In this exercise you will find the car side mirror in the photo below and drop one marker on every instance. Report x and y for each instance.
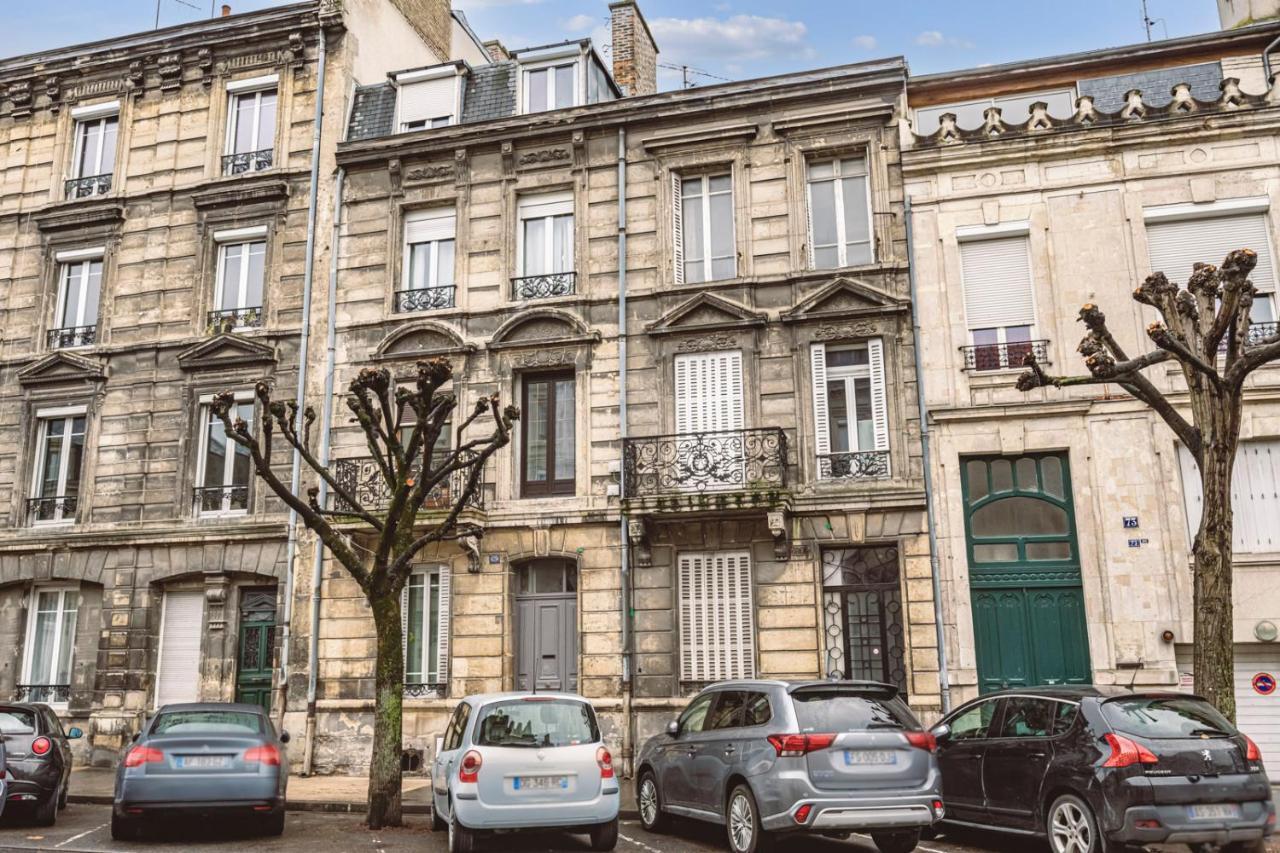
(673, 728)
(74, 734)
(284, 737)
(134, 739)
(941, 732)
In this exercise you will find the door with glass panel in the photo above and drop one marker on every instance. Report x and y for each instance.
(546, 267)
(238, 294)
(224, 466)
(56, 490)
(547, 429)
(424, 608)
(256, 646)
(251, 132)
(547, 625)
(94, 158)
(50, 647)
(709, 449)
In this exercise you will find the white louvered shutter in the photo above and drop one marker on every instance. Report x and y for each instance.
(178, 677)
(1255, 496)
(425, 226)
(879, 401)
(428, 99)
(442, 627)
(821, 419)
(404, 628)
(677, 226)
(709, 392)
(997, 283)
(717, 625)
(1174, 247)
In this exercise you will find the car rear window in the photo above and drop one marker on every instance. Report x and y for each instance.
(1165, 717)
(835, 710)
(17, 721)
(207, 723)
(535, 722)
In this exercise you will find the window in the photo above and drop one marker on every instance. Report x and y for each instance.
(545, 247)
(703, 210)
(550, 87)
(251, 126)
(241, 271)
(694, 717)
(1019, 511)
(430, 97)
(55, 492)
(727, 710)
(757, 710)
(457, 728)
(548, 433)
(51, 635)
(93, 155)
(1014, 109)
(850, 410)
(424, 609)
(839, 708)
(428, 261)
(717, 624)
(1255, 502)
(224, 468)
(542, 724)
(999, 307)
(79, 290)
(974, 722)
(839, 213)
(1027, 716)
(862, 612)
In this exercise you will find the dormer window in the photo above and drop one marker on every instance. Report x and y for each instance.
(429, 97)
(561, 76)
(550, 87)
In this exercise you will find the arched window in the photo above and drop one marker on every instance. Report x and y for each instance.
(1017, 510)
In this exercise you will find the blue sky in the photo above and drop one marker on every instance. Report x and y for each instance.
(725, 38)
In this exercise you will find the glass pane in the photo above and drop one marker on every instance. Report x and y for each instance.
(719, 183)
(853, 166)
(535, 432)
(562, 243)
(215, 455)
(54, 430)
(43, 638)
(535, 247)
(857, 225)
(66, 644)
(431, 665)
(694, 238)
(253, 287)
(974, 722)
(1017, 334)
(838, 416)
(1051, 477)
(822, 215)
(444, 263)
(232, 258)
(1001, 475)
(242, 463)
(92, 293)
(1020, 516)
(1027, 717)
(976, 472)
(722, 248)
(72, 282)
(565, 442)
(243, 140)
(564, 86)
(75, 457)
(419, 265)
(413, 631)
(1263, 310)
(726, 711)
(691, 187)
(108, 164)
(1025, 469)
(536, 86)
(862, 406)
(847, 357)
(986, 337)
(825, 169)
(548, 576)
(995, 553)
(1048, 550)
(90, 133)
(266, 122)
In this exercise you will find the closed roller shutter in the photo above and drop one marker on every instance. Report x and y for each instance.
(181, 629)
(1257, 715)
(1175, 246)
(428, 99)
(997, 283)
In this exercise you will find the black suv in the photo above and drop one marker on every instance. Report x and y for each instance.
(1095, 769)
(37, 759)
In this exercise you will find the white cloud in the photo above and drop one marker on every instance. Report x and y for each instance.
(865, 42)
(738, 38)
(936, 38)
(578, 23)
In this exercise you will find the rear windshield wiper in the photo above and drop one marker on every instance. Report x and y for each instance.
(880, 724)
(1210, 732)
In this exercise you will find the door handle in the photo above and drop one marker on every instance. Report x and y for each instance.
(970, 757)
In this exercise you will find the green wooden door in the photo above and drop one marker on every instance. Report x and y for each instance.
(255, 649)
(1025, 589)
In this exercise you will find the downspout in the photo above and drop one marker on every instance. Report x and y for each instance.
(295, 480)
(624, 549)
(943, 681)
(326, 420)
(1266, 59)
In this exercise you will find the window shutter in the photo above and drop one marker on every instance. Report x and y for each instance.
(404, 627)
(1255, 496)
(427, 99)
(1175, 246)
(808, 224)
(717, 626)
(879, 404)
(997, 282)
(821, 421)
(677, 226)
(425, 226)
(178, 677)
(709, 392)
(442, 629)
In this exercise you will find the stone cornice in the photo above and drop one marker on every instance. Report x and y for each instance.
(176, 532)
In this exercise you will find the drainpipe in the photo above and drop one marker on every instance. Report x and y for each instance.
(624, 544)
(295, 481)
(943, 681)
(326, 419)
(1266, 59)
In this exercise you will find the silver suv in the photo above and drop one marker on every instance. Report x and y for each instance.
(823, 757)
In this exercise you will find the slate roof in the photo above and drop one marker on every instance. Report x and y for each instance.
(373, 111)
(1156, 85)
(490, 93)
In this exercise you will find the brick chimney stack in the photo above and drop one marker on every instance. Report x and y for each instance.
(433, 19)
(1240, 13)
(635, 53)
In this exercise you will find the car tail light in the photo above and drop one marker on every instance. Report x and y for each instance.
(1251, 753)
(41, 745)
(789, 746)
(922, 740)
(802, 813)
(1125, 753)
(605, 760)
(266, 754)
(939, 810)
(141, 755)
(469, 769)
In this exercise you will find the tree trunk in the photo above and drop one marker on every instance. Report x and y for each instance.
(384, 768)
(1214, 653)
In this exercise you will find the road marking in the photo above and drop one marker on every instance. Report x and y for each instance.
(81, 835)
(639, 844)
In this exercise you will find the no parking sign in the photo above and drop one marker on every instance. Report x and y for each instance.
(1264, 683)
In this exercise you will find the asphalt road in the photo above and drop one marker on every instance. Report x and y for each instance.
(87, 828)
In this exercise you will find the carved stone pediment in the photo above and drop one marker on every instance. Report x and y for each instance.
(705, 312)
(225, 350)
(540, 328)
(241, 191)
(79, 215)
(845, 297)
(421, 340)
(62, 368)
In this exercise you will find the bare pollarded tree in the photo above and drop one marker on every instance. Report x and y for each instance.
(1206, 331)
(377, 544)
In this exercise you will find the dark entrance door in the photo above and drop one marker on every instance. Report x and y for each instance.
(257, 642)
(862, 614)
(547, 626)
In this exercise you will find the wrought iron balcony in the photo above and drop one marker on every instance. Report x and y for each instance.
(861, 465)
(425, 689)
(52, 508)
(424, 299)
(247, 161)
(215, 499)
(546, 286)
(226, 320)
(88, 186)
(1258, 332)
(72, 336)
(47, 693)
(984, 357)
(362, 478)
(705, 462)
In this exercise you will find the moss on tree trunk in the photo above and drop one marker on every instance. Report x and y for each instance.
(384, 768)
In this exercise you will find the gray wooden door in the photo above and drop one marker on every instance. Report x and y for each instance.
(547, 633)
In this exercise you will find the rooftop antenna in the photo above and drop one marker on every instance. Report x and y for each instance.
(1147, 21)
(183, 2)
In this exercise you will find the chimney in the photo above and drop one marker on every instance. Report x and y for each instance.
(433, 21)
(496, 50)
(635, 54)
(226, 10)
(1241, 13)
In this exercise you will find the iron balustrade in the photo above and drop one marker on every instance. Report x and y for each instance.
(705, 462)
(424, 298)
(1258, 332)
(235, 318)
(361, 477)
(213, 499)
(72, 336)
(425, 689)
(52, 508)
(856, 465)
(983, 357)
(546, 286)
(48, 693)
(247, 161)
(88, 186)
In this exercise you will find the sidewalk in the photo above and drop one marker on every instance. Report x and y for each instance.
(94, 785)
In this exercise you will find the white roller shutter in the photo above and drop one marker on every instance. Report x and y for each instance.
(1174, 246)
(717, 624)
(1255, 496)
(181, 630)
(427, 225)
(428, 99)
(1257, 715)
(997, 282)
(709, 392)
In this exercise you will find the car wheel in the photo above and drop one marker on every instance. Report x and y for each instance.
(124, 829)
(437, 822)
(273, 824)
(903, 841)
(742, 822)
(604, 836)
(47, 811)
(62, 798)
(649, 803)
(1072, 828)
(461, 839)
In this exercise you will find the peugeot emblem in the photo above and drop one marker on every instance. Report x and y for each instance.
(1206, 755)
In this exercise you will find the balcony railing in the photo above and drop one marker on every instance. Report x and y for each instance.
(247, 161)
(1258, 332)
(362, 479)
(214, 499)
(235, 318)
(983, 357)
(705, 462)
(72, 336)
(859, 465)
(88, 186)
(424, 299)
(546, 286)
(52, 508)
(47, 693)
(425, 689)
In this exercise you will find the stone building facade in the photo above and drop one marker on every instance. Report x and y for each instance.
(1065, 516)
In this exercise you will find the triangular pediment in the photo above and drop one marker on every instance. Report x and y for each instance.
(225, 350)
(705, 312)
(62, 368)
(845, 297)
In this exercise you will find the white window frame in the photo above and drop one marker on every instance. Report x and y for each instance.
(874, 373)
(842, 251)
(66, 260)
(423, 75)
(432, 279)
(239, 237)
(547, 207)
(439, 632)
(679, 221)
(28, 647)
(228, 464)
(722, 656)
(82, 124)
(257, 86)
(44, 416)
(550, 63)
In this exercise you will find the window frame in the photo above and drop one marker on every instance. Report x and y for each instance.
(979, 234)
(246, 239)
(43, 418)
(206, 420)
(551, 485)
(526, 212)
(28, 648)
(254, 88)
(84, 258)
(681, 221)
(550, 64)
(432, 279)
(80, 134)
(838, 177)
(431, 661)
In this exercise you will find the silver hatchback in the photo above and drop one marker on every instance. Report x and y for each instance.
(823, 757)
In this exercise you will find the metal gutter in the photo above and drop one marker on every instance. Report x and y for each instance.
(623, 542)
(1266, 60)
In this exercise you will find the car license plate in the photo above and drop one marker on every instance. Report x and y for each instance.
(202, 762)
(539, 783)
(855, 757)
(1214, 812)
